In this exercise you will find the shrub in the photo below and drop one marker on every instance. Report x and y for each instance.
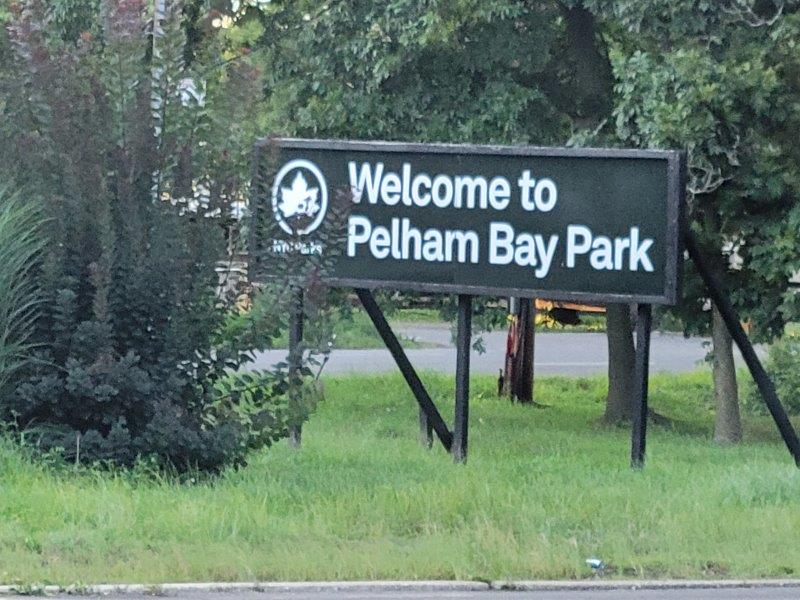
(259, 403)
(783, 365)
(118, 133)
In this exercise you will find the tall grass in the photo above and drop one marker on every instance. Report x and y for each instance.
(543, 490)
(20, 244)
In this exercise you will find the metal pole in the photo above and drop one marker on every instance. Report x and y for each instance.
(410, 375)
(760, 376)
(295, 357)
(644, 320)
(463, 347)
(532, 359)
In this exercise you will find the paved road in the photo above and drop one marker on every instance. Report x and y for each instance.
(556, 353)
(773, 593)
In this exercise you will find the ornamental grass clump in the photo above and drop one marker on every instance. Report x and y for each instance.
(20, 245)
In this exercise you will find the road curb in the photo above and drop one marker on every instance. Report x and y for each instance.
(177, 589)
(289, 586)
(644, 584)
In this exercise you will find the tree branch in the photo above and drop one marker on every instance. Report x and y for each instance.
(743, 11)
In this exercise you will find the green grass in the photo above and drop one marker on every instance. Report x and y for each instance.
(358, 332)
(417, 315)
(543, 490)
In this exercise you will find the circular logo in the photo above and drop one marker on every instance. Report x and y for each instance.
(299, 197)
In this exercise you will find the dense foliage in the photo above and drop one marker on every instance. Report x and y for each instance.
(721, 80)
(782, 365)
(109, 122)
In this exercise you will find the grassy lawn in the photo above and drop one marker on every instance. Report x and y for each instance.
(417, 315)
(359, 332)
(544, 489)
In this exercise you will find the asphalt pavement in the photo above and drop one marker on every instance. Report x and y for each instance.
(555, 353)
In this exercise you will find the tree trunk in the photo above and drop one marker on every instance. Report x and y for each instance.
(523, 369)
(621, 364)
(727, 423)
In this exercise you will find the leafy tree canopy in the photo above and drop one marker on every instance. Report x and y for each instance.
(721, 80)
(461, 71)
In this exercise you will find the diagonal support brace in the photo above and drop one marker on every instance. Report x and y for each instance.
(406, 368)
(760, 376)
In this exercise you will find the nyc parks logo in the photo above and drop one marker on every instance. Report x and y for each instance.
(299, 197)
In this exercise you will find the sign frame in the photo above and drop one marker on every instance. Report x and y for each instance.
(675, 197)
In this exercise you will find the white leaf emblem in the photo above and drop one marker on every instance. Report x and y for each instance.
(299, 208)
(299, 199)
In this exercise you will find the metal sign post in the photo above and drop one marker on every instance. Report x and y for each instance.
(463, 347)
(644, 321)
(295, 357)
(434, 418)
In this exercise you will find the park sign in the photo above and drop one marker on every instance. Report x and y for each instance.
(598, 225)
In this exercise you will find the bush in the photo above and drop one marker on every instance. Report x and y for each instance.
(119, 135)
(783, 365)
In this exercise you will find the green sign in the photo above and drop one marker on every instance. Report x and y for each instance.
(557, 223)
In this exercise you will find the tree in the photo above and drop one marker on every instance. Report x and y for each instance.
(719, 80)
(668, 74)
(590, 105)
(621, 365)
(411, 71)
